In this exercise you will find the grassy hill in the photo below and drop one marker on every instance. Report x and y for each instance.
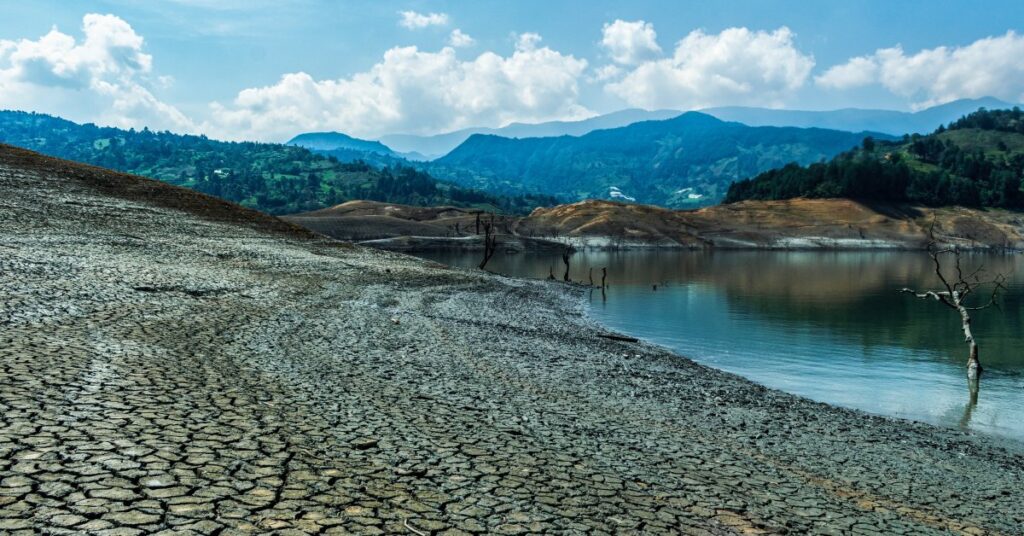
(273, 178)
(978, 161)
(685, 161)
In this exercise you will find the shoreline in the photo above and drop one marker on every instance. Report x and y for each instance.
(163, 368)
(409, 244)
(1009, 443)
(798, 224)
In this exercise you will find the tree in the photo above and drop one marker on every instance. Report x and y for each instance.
(956, 294)
(490, 241)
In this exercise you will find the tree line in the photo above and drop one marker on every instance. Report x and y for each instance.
(952, 166)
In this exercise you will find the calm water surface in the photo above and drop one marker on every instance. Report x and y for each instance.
(830, 326)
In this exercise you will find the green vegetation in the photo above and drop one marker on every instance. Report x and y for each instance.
(274, 178)
(977, 162)
(681, 162)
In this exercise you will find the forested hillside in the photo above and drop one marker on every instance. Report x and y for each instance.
(978, 161)
(274, 178)
(682, 162)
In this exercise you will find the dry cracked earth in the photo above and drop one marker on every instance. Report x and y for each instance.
(170, 364)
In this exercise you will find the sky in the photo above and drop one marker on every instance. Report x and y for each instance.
(267, 70)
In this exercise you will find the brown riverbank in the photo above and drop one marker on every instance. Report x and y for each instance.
(794, 224)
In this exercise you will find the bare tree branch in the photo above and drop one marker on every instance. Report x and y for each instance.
(956, 294)
(937, 296)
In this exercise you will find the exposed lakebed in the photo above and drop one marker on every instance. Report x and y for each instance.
(830, 326)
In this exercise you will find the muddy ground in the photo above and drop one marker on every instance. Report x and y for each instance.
(166, 364)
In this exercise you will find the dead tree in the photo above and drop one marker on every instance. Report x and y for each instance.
(490, 241)
(956, 294)
(551, 272)
(565, 259)
(590, 276)
(604, 275)
(477, 223)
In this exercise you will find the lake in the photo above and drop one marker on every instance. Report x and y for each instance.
(830, 326)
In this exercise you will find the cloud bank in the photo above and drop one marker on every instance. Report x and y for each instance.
(735, 66)
(103, 78)
(411, 90)
(992, 66)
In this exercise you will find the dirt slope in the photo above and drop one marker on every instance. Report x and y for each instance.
(135, 188)
(791, 224)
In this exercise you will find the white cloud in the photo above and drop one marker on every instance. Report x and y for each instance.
(460, 39)
(606, 72)
(991, 66)
(857, 72)
(413, 20)
(736, 66)
(630, 43)
(101, 79)
(415, 91)
(528, 41)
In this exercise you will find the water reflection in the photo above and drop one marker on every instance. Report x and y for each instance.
(973, 387)
(830, 326)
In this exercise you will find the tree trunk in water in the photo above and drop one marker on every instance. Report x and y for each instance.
(973, 364)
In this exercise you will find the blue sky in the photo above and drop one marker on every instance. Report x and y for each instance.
(265, 70)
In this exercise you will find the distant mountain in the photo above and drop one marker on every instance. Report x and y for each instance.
(891, 122)
(329, 141)
(270, 177)
(977, 162)
(686, 161)
(431, 147)
(855, 120)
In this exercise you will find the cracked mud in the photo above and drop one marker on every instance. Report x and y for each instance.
(168, 371)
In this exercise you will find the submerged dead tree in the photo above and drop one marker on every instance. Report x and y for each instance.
(565, 259)
(490, 241)
(955, 294)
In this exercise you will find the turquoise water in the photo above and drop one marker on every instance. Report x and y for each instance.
(830, 326)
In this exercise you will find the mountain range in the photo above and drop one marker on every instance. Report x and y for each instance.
(893, 122)
(270, 177)
(686, 161)
(441, 144)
